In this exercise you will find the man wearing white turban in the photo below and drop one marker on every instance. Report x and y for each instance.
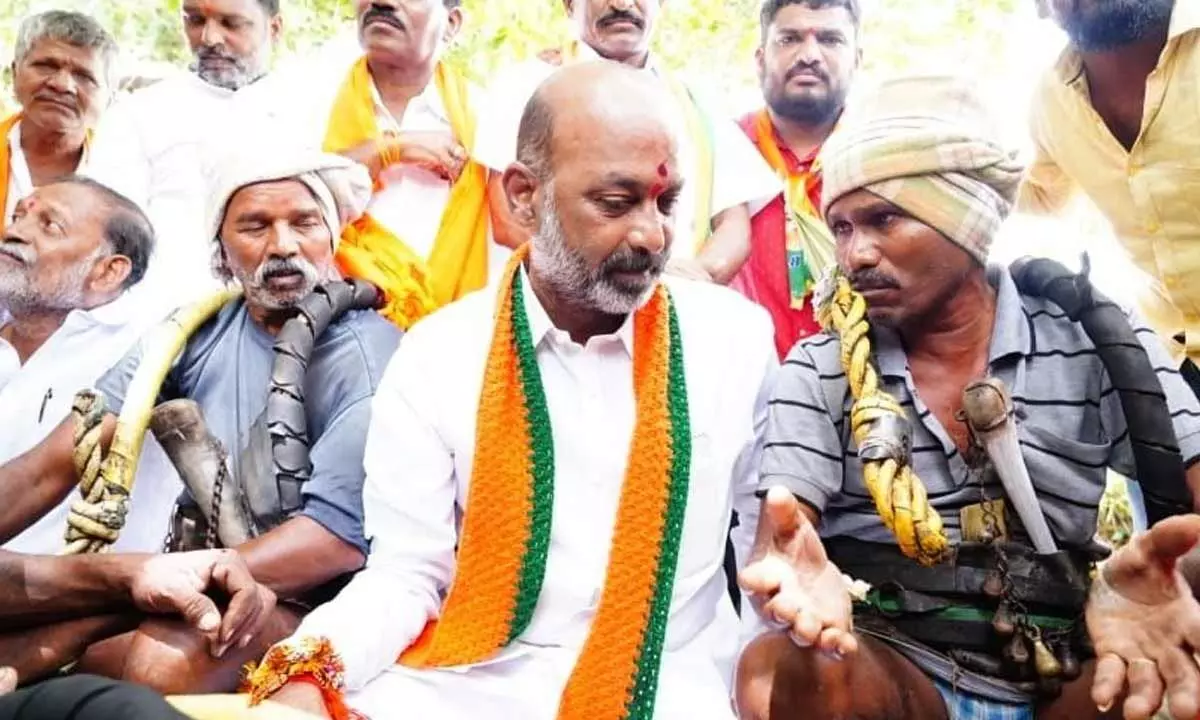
(275, 215)
(964, 619)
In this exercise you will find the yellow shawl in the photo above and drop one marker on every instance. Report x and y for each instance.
(458, 262)
(6, 127)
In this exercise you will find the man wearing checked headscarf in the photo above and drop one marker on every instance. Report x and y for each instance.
(920, 592)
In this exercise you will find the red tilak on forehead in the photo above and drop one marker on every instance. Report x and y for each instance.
(660, 187)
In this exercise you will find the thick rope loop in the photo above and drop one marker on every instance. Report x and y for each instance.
(875, 417)
(96, 518)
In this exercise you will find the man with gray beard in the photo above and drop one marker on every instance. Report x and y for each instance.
(73, 251)
(1117, 118)
(274, 218)
(153, 146)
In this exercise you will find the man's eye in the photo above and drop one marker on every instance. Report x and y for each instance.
(615, 204)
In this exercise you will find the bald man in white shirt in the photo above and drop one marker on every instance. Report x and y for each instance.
(727, 180)
(596, 187)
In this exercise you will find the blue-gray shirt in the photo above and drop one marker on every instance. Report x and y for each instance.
(1069, 421)
(226, 369)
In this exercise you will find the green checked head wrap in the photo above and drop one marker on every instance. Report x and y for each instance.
(927, 145)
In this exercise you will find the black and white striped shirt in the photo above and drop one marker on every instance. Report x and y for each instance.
(1070, 423)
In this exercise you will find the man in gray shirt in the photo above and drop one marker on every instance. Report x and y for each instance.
(963, 618)
(275, 219)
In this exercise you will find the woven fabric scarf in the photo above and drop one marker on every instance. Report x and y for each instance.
(699, 129)
(505, 537)
(810, 246)
(458, 262)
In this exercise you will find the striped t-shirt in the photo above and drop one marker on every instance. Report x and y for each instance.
(1069, 422)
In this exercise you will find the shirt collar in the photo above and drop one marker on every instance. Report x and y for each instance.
(115, 313)
(1184, 19)
(429, 98)
(540, 324)
(1010, 333)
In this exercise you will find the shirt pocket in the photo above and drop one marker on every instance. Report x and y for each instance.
(1069, 477)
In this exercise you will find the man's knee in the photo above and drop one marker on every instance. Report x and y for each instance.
(778, 680)
(174, 659)
(165, 655)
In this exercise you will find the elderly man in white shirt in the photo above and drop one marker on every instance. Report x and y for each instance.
(62, 72)
(552, 463)
(67, 261)
(154, 145)
(396, 108)
(727, 180)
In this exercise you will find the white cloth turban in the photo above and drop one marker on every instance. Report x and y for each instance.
(342, 187)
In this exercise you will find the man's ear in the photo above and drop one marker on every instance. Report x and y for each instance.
(454, 22)
(109, 275)
(520, 191)
(760, 66)
(275, 28)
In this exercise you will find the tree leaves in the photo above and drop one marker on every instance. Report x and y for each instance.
(709, 40)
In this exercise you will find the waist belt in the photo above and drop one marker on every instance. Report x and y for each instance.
(953, 604)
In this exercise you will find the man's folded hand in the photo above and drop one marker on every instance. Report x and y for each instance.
(185, 584)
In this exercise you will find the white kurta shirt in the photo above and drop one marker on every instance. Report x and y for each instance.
(740, 175)
(20, 180)
(37, 396)
(419, 457)
(155, 147)
(413, 200)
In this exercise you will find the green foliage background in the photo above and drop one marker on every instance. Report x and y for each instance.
(711, 39)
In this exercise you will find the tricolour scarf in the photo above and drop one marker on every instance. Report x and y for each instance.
(505, 538)
(459, 260)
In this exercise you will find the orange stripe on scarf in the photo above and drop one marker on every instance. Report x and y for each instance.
(600, 684)
(6, 164)
(480, 604)
(458, 261)
(475, 621)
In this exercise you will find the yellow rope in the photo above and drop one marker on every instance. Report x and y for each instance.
(880, 430)
(105, 480)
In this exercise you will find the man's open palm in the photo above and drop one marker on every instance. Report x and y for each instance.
(1145, 624)
(794, 583)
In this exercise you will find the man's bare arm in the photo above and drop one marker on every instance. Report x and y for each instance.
(36, 589)
(298, 556)
(729, 246)
(34, 483)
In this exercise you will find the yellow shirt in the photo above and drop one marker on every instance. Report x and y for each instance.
(1151, 193)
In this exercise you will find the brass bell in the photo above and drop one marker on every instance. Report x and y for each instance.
(993, 586)
(1002, 621)
(1047, 665)
(1016, 651)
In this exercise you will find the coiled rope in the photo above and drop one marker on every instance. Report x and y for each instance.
(881, 430)
(106, 479)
